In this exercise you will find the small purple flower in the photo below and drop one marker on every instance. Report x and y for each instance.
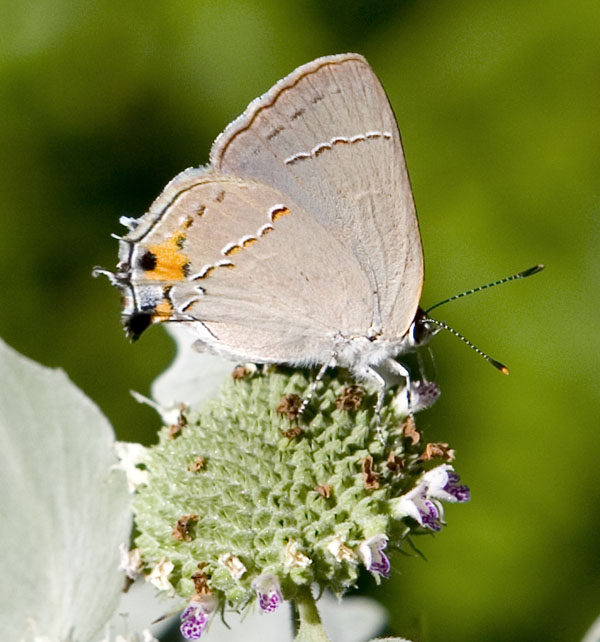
(193, 623)
(423, 502)
(269, 592)
(196, 616)
(443, 485)
(423, 394)
(371, 553)
(431, 514)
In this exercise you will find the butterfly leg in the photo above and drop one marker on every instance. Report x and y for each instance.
(420, 393)
(378, 379)
(397, 368)
(313, 386)
(370, 375)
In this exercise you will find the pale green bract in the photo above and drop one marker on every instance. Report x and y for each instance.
(192, 377)
(64, 507)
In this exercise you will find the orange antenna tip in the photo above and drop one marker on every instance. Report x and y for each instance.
(499, 366)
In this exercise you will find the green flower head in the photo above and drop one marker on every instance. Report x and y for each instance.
(245, 498)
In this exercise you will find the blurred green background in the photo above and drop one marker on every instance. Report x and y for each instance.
(103, 102)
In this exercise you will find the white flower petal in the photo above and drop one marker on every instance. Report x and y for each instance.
(130, 455)
(159, 576)
(405, 507)
(233, 564)
(339, 550)
(437, 480)
(131, 561)
(437, 477)
(293, 558)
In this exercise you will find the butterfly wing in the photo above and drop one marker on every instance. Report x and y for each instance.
(326, 136)
(253, 274)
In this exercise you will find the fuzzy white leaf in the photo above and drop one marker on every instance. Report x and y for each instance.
(64, 508)
(593, 633)
(192, 377)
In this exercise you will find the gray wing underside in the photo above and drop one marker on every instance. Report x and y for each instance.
(327, 137)
(265, 281)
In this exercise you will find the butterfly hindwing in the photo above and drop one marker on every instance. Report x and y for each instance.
(326, 135)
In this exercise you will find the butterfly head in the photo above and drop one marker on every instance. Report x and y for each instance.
(422, 330)
(141, 305)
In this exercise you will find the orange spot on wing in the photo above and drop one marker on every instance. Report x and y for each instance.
(233, 250)
(279, 213)
(170, 260)
(249, 242)
(163, 311)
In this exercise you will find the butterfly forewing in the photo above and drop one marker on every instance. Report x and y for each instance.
(228, 256)
(326, 136)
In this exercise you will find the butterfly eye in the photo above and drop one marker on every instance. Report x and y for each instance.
(421, 330)
(420, 333)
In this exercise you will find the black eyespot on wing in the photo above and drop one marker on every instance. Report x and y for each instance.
(148, 261)
(136, 323)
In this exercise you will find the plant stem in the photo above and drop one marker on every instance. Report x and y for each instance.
(311, 628)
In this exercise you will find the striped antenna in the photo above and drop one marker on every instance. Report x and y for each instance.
(520, 275)
(440, 324)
